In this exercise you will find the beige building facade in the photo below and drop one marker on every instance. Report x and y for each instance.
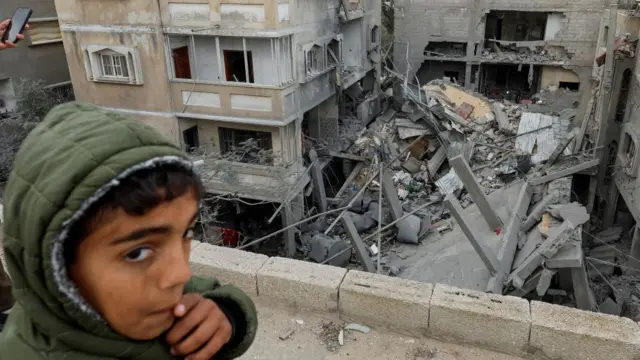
(210, 74)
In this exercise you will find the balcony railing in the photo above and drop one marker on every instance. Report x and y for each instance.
(240, 101)
(249, 14)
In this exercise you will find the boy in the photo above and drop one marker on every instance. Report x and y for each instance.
(99, 217)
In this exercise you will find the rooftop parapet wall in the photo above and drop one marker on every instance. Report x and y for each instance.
(503, 323)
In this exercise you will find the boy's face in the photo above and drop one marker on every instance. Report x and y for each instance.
(132, 269)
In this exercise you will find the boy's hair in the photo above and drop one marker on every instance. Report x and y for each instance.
(137, 194)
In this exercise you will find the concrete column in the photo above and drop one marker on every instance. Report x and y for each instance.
(319, 193)
(477, 194)
(486, 254)
(634, 261)
(289, 234)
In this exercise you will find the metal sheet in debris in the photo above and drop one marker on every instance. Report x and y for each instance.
(449, 183)
(542, 143)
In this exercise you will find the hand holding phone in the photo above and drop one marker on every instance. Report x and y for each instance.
(11, 30)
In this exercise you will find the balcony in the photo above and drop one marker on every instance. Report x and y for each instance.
(238, 102)
(255, 181)
(225, 15)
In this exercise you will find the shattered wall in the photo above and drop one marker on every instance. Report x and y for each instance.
(417, 22)
(626, 180)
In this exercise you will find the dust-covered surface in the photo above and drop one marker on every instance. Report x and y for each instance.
(312, 337)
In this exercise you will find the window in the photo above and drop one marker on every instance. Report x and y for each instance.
(245, 145)
(621, 107)
(569, 85)
(114, 65)
(315, 60)
(333, 52)
(191, 139)
(44, 31)
(235, 66)
(375, 33)
(120, 64)
(628, 150)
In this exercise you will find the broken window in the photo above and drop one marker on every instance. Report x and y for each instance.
(333, 52)
(315, 61)
(181, 62)
(569, 85)
(445, 48)
(191, 138)
(237, 67)
(621, 107)
(114, 65)
(245, 145)
(515, 25)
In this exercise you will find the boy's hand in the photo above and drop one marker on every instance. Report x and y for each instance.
(200, 330)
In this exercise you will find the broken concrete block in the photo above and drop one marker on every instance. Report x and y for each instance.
(375, 299)
(564, 333)
(228, 265)
(373, 210)
(409, 230)
(545, 281)
(610, 307)
(322, 247)
(300, 284)
(568, 257)
(362, 222)
(536, 213)
(495, 321)
(557, 239)
(412, 165)
(361, 204)
(574, 212)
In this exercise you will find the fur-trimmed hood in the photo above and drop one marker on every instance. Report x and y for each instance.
(69, 161)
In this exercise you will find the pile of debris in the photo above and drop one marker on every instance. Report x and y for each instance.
(529, 51)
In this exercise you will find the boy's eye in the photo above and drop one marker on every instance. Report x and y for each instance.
(138, 254)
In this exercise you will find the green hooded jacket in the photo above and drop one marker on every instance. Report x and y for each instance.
(66, 163)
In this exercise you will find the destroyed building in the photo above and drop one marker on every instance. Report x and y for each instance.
(504, 50)
(512, 123)
(215, 75)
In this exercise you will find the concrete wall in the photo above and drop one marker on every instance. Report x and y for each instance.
(503, 323)
(46, 61)
(553, 75)
(420, 21)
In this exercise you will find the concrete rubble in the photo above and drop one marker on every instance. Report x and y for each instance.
(415, 169)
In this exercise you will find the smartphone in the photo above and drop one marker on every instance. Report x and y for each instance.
(16, 26)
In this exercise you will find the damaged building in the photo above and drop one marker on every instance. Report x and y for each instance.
(247, 86)
(504, 50)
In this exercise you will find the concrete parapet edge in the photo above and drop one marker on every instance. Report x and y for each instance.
(502, 323)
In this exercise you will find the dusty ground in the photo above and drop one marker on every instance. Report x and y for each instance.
(311, 337)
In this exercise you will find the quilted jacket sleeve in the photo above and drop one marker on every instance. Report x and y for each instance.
(238, 307)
